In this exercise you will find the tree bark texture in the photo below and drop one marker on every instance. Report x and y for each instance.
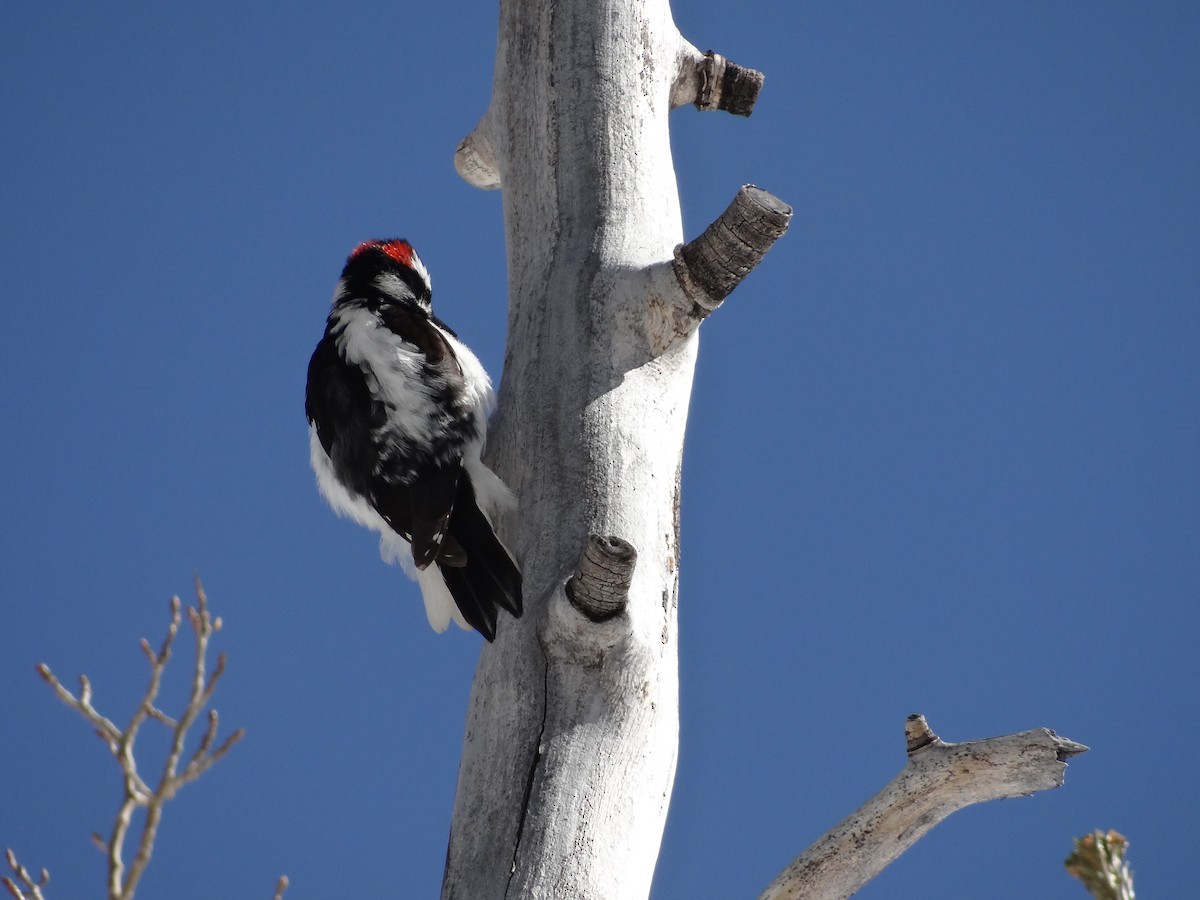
(572, 727)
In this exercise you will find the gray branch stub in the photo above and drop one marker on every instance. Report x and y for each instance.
(711, 266)
(725, 85)
(600, 587)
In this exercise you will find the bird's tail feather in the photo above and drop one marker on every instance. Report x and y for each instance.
(490, 580)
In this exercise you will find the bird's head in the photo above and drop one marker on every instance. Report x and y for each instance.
(388, 267)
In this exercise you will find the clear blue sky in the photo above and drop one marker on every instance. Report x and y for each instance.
(958, 407)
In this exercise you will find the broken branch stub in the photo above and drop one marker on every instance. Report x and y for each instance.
(725, 85)
(711, 266)
(600, 587)
(475, 159)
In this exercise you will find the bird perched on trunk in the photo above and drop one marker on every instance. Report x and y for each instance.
(397, 410)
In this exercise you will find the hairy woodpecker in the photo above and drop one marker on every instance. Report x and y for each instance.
(397, 410)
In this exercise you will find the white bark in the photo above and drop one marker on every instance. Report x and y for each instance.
(939, 779)
(572, 729)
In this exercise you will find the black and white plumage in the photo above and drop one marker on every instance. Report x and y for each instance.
(397, 410)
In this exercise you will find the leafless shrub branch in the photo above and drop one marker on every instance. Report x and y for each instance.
(23, 887)
(122, 880)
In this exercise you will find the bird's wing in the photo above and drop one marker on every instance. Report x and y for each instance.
(338, 404)
(426, 503)
(432, 501)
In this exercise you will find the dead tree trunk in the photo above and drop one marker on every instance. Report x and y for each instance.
(572, 730)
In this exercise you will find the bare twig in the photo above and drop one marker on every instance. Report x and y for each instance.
(1099, 862)
(122, 881)
(24, 887)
